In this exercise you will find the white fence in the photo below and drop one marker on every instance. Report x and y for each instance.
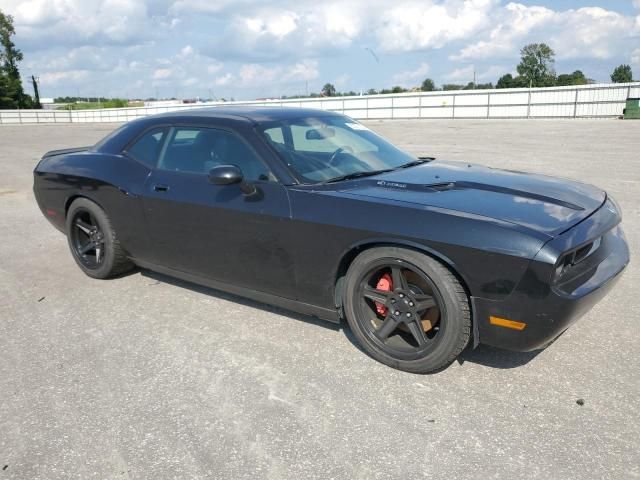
(584, 101)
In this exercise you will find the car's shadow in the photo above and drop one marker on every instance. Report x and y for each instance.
(496, 357)
(482, 355)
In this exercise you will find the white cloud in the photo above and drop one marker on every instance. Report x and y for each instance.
(635, 60)
(342, 80)
(279, 25)
(292, 29)
(257, 74)
(590, 32)
(492, 73)
(189, 82)
(187, 51)
(188, 67)
(411, 77)
(56, 78)
(214, 67)
(49, 23)
(226, 79)
(416, 25)
(190, 7)
(466, 74)
(305, 70)
(513, 23)
(162, 74)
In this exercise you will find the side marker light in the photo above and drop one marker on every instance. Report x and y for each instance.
(503, 322)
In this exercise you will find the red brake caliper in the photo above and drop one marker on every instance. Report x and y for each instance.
(386, 285)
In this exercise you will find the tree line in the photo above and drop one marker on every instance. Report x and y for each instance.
(536, 69)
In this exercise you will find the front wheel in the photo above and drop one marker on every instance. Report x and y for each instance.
(93, 241)
(406, 309)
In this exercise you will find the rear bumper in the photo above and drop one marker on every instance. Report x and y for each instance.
(546, 309)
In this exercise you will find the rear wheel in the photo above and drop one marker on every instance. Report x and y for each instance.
(93, 241)
(406, 309)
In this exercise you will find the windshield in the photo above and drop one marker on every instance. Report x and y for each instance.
(322, 149)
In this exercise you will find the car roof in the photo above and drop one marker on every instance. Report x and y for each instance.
(252, 113)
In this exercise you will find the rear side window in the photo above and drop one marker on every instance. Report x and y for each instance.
(147, 148)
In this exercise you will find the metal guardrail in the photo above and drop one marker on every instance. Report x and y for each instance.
(583, 101)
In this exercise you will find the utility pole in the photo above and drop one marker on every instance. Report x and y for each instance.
(36, 93)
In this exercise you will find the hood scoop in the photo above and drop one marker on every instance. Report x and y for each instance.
(463, 185)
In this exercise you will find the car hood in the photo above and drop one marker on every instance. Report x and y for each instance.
(545, 204)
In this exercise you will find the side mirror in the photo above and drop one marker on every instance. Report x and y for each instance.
(229, 175)
(225, 175)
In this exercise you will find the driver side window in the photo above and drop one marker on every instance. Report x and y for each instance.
(198, 150)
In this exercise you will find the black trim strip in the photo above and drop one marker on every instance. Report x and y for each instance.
(268, 298)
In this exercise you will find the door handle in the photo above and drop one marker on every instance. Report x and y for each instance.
(161, 188)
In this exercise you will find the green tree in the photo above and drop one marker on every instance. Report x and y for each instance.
(398, 89)
(505, 81)
(478, 86)
(372, 91)
(12, 95)
(452, 86)
(622, 74)
(575, 78)
(428, 85)
(509, 81)
(536, 65)
(6, 99)
(329, 90)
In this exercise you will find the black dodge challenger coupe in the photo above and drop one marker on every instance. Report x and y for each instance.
(312, 211)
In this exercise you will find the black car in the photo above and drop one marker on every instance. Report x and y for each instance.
(312, 211)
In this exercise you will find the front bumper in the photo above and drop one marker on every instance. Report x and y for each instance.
(548, 309)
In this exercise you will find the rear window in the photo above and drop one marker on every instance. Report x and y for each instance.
(98, 146)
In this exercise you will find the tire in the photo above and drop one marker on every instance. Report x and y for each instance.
(448, 326)
(108, 259)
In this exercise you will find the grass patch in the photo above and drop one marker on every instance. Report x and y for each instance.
(115, 103)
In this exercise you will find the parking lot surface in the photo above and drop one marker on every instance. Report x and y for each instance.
(148, 377)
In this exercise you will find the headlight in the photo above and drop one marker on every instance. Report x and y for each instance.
(576, 256)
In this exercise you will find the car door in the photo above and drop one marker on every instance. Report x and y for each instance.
(216, 231)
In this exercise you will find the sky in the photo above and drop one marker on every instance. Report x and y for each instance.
(245, 49)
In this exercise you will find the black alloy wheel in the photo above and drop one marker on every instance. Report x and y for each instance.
(409, 324)
(87, 239)
(93, 241)
(406, 309)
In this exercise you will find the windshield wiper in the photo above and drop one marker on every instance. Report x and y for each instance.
(350, 176)
(419, 161)
(368, 173)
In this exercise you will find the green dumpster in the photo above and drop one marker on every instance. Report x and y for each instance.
(632, 109)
